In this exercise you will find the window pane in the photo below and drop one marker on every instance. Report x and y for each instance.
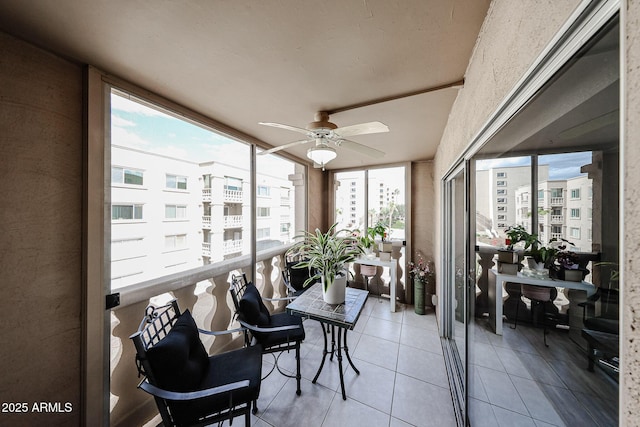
(281, 190)
(349, 200)
(148, 141)
(387, 200)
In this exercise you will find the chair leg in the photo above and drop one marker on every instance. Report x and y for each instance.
(255, 407)
(247, 419)
(298, 376)
(515, 324)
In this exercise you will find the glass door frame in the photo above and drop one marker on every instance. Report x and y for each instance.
(456, 363)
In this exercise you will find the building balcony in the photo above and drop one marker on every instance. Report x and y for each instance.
(206, 195)
(206, 222)
(557, 201)
(557, 219)
(233, 196)
(233, 221)
(556, 235)
(285, 201)
(206, 249)
(231, 246)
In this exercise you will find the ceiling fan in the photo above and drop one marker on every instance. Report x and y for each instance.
(323, 133)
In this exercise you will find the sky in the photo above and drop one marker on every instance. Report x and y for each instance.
(561, 166)
(138, 126)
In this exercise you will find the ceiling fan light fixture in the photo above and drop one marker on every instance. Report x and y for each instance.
(322, 154)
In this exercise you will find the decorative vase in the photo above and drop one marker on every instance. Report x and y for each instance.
(336, 291)
(418, 290)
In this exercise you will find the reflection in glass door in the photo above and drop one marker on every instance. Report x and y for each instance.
(454, 304)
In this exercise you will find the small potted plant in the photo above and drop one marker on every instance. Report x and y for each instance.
(366, 240)
(508, 254)
(567, 266)
(381, 230)
(327, 258)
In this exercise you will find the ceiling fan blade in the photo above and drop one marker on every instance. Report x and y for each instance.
(361, 129)
(282, 147)
(287, 127)
(360, 148)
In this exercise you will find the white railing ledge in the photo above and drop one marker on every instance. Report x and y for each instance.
(142, 291)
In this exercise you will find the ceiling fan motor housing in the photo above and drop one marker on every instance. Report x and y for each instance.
(322, 122)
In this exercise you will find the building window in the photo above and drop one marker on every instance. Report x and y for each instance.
(232, 183)
(575, 193)
(175, 241)
(556, 192)
(502, 192)
(285, 227)
(501, 175)
(540, 194)
(264, 212)
(126, 212)
(175, 211)
(575, 213)
(126, 176)
(502, 200)
(574, 232)
(176, 182)
(263, 233)
(263, 190)
(502, 208)
(501, 183)
(502, 217)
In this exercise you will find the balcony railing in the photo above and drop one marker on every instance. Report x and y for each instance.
(202, 290)
(232, 221)
(231, 246)
(557, 219)
(206, 221)
(206, 249)
(557, 201)
(233, 196)
(206, 194)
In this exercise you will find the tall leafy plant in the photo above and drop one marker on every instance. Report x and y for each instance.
(327, 254)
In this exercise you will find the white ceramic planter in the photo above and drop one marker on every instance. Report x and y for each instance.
(336, 292)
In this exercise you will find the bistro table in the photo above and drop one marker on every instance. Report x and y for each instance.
(343, 316)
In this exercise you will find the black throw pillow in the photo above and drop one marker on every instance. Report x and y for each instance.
(179, 361)
(251, 308)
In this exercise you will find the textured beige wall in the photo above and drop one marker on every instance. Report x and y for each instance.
(630, 382)
(41, 229)
(512, 36)
(423, 207)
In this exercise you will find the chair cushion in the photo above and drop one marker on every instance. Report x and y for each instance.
(270, 339)
(179, 361)
(225, 368)
(251, 308)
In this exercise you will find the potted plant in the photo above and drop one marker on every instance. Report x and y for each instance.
(327, 255)
(542, 257)
(567, 266)
(381, 230)
(515, 234)
(366, 240)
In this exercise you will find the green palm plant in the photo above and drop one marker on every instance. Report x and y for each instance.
(326, 254)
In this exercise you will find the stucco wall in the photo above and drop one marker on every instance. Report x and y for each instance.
(422, 209)
(41, 229)
(630, 383)
(512, 36)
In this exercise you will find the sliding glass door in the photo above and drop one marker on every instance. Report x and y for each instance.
(455, 294)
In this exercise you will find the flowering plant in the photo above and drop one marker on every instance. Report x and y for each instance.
(421, 269)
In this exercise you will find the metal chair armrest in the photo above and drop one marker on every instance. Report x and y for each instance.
(279, 299)
(176, 395)
(273, 329)
(216, 333)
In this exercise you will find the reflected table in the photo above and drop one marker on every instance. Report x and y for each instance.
(340, 317)
(497, 281)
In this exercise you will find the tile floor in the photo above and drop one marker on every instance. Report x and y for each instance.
(402, 379)
(517, 381)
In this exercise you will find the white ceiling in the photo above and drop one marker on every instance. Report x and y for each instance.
(245, 61)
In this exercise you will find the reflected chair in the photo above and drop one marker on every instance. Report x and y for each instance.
(607, 320)
(189, 386)
(539, 297)
(274, 332)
